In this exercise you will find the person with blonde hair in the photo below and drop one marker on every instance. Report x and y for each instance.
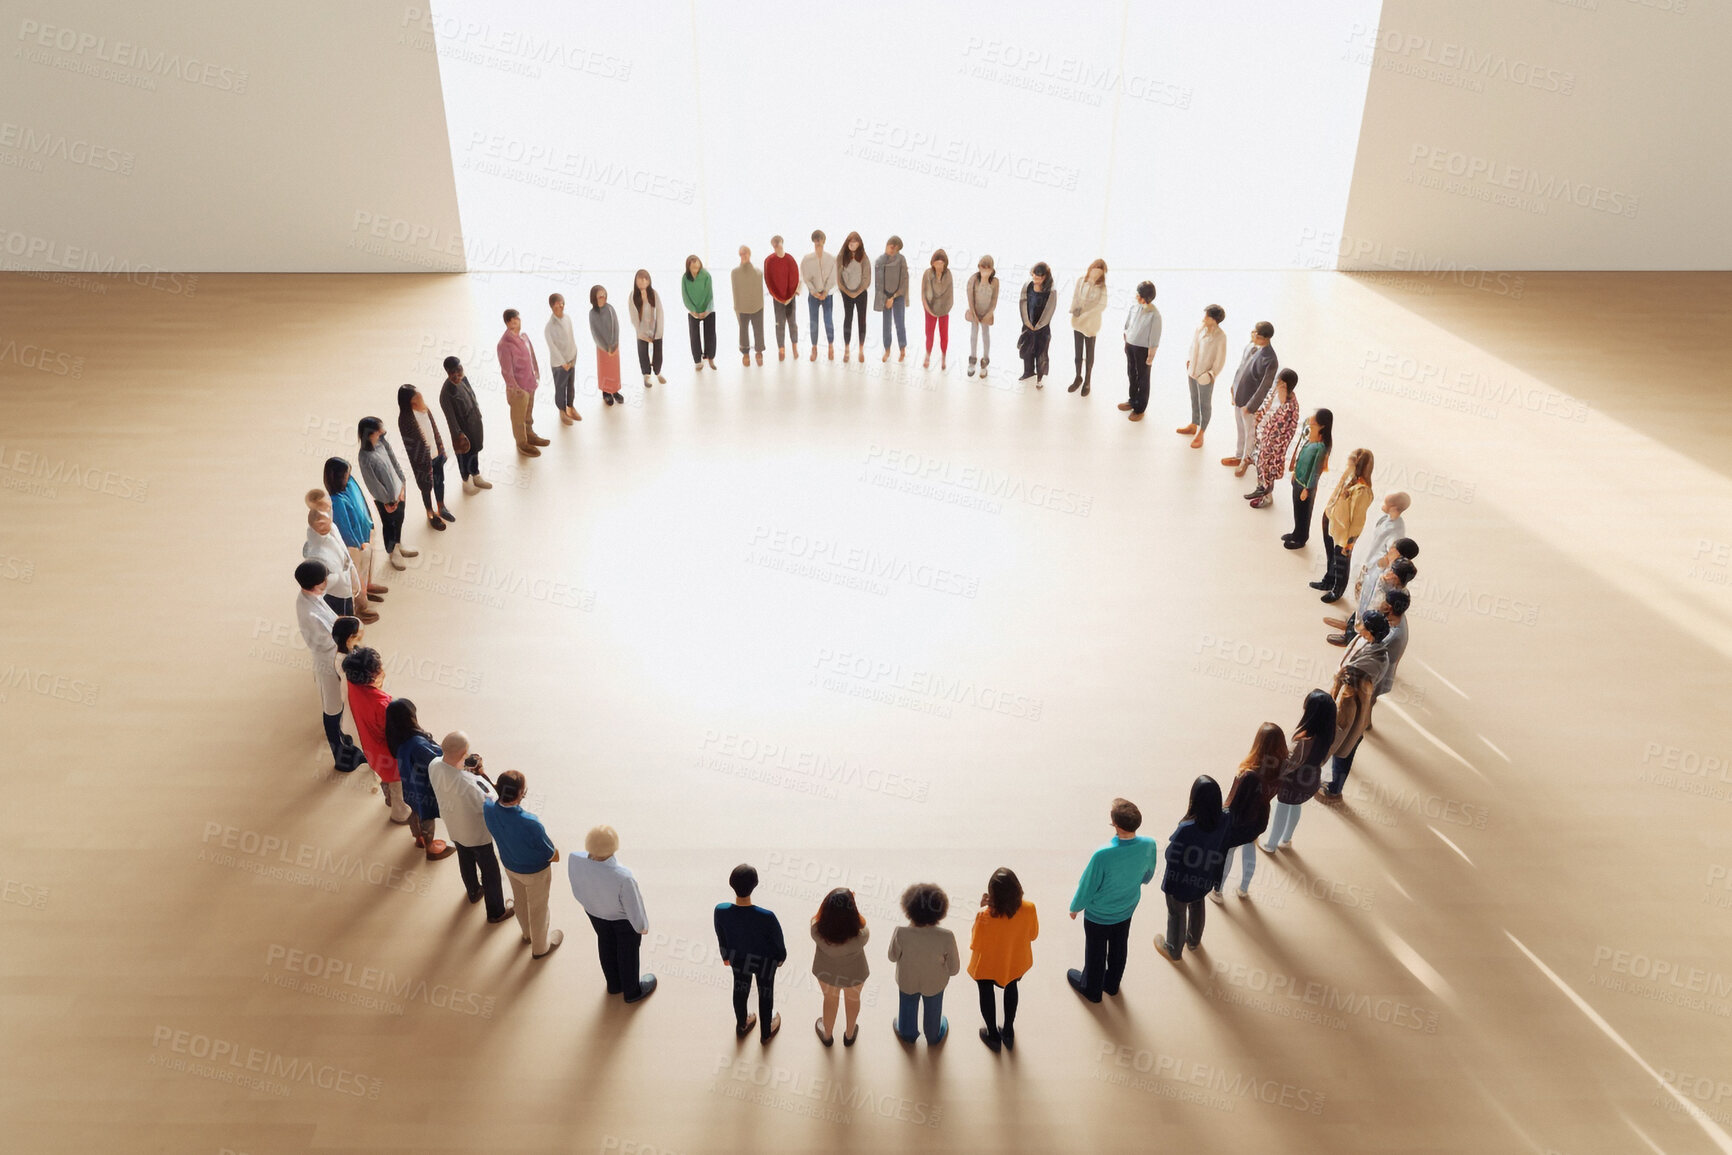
(1088, 303)
(981, 302)
(609, 894)
(1343, 520)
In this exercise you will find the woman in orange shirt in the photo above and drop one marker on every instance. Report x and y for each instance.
(1003, 950)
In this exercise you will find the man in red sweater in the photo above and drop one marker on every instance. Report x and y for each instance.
(782, 278)
(364, 670)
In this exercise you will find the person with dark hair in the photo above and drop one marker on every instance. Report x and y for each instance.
(1248, 805)
(1251, 384)
(1001, 951)
(1208, 357)
(462, 788)
(926, 957)
(1142, 338)
(937, 297)
(609, 895)
(528, 855)
(1196, 861)
(979, 309)
(316, 619)
(699, 296)
(364, 670)
(1393, 571)
(820, 273)
(1276, 423)
(747, 283)
(604, 331)
(1037, 303)
(1303, 772)
(644, 309)
(852, 272)
(522, 373)
(782, 279)
(1343, 520)
(415, 751)
(890, 294)
(385, 481)
(1088, 304)
(1310, 460)
(562, 357)
(463, 417)
(1107, 896)
(425, 446)
(839, 934)
(749, 939)
(1362, 669)
(349, 511)
(347, 633)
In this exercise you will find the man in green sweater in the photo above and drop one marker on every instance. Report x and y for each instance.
(1106, 897)
(748, 286)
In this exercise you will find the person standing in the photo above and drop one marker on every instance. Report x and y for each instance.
(1196, 861)
(562, 354)
(1001, 951)
(604, 331)
(1310, 460)
(747, 284)
(926, 957)
(1304, 770)
(415, 751)
(854, 278)
(610, 896)
(463, 417)
(1142, 338)
(385, 481)
(1393, 571)
(937, 297)
(890, 281)
(316, 619)
(528, 855)
(1208, 357)
(1390, 525)
(1276, 423)
(982, 292)
(1038, 303)
(1362, 670)
(522, 373)
(699, 296)
(644, 308)
(461, 785)
(782, 279)
(1248, 805)
(1251, 384)
(325, 545)
(426, 449)
(349, 511)
(749, 940)
(1088, 303)
(1107, 896)
(364, 670)
(1343, 520)
(839, 937)
(818, 271)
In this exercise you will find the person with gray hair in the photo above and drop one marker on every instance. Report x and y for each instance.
(461, 785)
(609, 894)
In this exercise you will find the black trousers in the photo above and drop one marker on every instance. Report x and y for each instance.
(390, 525)
(1302, 514)
(1085, 355)
(479, 868)
(1185, 922)
(851, 307)
(1104, 954)
(617, 945)
(1137, 369)
(342, 607)
(703, 334)
(989, 1004)
(743, 977)
(649, 360)
(1336, 556)
(1035, 343)
(434, 490)
(469, 464)
(345, 755)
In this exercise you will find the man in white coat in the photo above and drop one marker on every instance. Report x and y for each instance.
(316, 618)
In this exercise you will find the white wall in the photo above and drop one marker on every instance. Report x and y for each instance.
(1544, 134)
(204, 135)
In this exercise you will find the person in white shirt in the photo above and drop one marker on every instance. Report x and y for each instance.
(316, 618)
(461, 785)
(1375, 542)
(610, 897)
(1208, 357)
(562, 351)
(325, 544)
(818, 271)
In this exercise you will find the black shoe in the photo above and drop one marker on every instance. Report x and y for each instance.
(1114, 993)
(1289, 543)
(1075, 977)
(1085, 390)
(1025, 376)
(1075, 385)
(446, 514)
(992, 1041)
(1339, 639)
(1322, 585)
(1330, 598)
(1009, 1035)
(1194, 945)
(607, 398)
(475, 896)
(433, 520)
(646, 988)
(1256, 493)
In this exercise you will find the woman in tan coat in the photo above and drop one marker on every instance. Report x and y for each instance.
(1343, 519)
(1088, 301)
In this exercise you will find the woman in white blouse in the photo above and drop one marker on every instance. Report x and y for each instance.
(1208, 355)
(1088, 301)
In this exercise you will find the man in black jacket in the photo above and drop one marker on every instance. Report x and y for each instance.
(463, 418)
(1251, 384)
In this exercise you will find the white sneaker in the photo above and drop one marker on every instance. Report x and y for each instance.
(1243, 893)
(481, 482)
(1215, 897)
(646, 379)
(469, 485)
(406, 551)
(397, 559)
(660, 380)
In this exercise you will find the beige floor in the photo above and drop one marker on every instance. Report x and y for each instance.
(1515, 937)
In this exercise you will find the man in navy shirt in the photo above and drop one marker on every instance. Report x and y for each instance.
(750, 941)
(527, 853)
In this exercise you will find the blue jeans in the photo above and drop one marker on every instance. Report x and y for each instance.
(895, 309)
(1340, 767)
(1282, 822)
(812, 306)
(1250, 867)
(934, 1015)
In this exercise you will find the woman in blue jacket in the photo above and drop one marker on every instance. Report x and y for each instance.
(1196, 859)
(354, 524)
(415, 751)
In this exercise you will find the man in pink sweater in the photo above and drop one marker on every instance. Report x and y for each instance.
(522, 373)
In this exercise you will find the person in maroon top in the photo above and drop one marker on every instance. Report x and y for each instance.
(364, 670)
(782, 278)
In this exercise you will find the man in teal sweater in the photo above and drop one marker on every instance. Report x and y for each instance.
(1106, 897)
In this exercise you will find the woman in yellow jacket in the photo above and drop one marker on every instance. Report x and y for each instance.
(1003, 950)
(1343, 519)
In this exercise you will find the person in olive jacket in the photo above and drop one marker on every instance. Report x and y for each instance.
(463, 417)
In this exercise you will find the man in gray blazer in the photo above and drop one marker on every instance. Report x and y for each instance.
(1257, 369)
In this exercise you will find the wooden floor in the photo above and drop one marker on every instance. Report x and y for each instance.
(1516, 936)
